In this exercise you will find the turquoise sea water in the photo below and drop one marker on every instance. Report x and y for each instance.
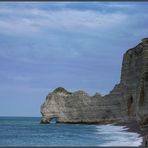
(27, 131)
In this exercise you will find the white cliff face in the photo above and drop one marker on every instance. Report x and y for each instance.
(77, 107)
(128, 100)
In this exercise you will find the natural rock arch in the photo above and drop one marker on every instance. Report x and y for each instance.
(54, 119)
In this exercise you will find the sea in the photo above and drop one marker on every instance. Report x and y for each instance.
(27, 131)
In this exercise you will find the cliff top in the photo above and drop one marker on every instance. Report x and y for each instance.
(61, 90)
(145, 40)
(97, 95)
(80, 93)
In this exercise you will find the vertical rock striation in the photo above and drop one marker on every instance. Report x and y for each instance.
(127, 101)
(134, 81)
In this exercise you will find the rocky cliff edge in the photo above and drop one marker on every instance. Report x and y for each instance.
(127, 101)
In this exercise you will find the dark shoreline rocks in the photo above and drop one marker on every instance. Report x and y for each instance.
(127, 102)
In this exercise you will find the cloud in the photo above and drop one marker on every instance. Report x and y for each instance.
(34, 20)
(83, 39)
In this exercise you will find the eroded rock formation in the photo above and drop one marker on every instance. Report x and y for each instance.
(127, 101)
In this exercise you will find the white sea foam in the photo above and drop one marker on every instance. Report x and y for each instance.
(118, 136)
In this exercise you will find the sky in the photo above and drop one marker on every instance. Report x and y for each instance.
(75, 45)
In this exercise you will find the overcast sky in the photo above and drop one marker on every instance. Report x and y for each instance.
(75, 45)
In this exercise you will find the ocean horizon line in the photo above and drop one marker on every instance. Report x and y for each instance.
(21, 116)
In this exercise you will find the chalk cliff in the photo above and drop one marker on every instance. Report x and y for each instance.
(127, 101)
(134, 83)
(77, 107)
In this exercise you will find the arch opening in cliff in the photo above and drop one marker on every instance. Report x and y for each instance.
(129, 105)
(53, 120)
